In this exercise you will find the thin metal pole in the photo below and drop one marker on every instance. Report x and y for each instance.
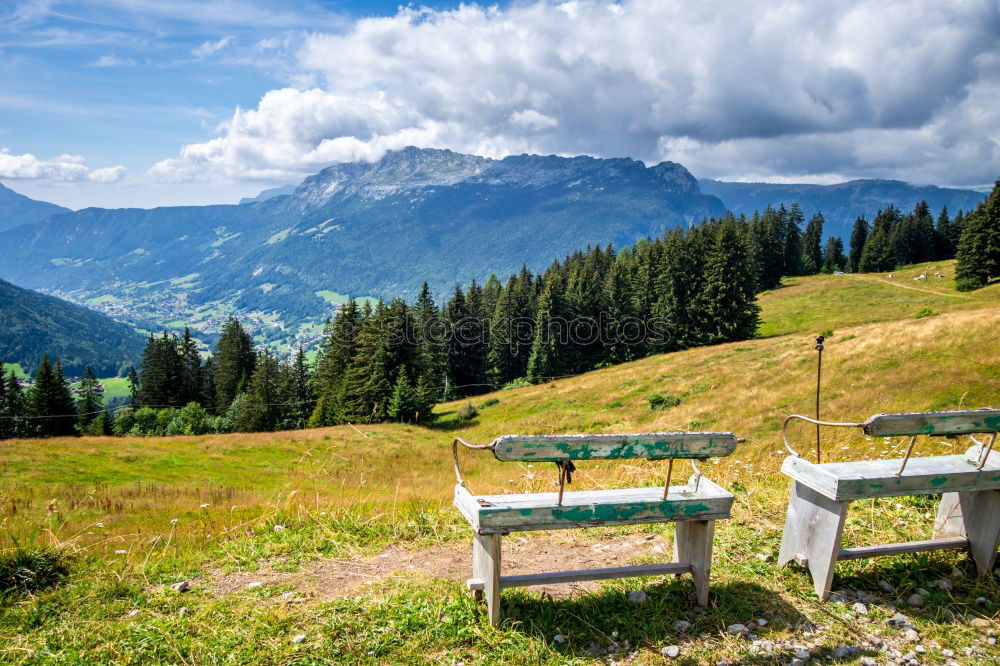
(819, 374)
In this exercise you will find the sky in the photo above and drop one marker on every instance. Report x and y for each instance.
(150, 102)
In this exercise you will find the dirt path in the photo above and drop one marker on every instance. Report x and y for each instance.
(331, 578)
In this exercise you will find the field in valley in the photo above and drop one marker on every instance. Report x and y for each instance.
(346, 535)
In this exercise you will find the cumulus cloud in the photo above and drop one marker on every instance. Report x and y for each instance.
(752, 89)
(66, 168)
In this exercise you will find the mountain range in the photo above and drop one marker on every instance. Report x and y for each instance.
(17, 209)
(283, 260)
(843, 203)
(32, 324)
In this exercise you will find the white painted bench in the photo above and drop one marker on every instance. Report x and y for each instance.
(694, 506)
(968, 515)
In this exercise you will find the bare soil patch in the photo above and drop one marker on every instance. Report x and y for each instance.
(331, 578)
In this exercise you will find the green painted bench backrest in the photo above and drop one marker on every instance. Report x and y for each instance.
(934, 423)
(653, 445)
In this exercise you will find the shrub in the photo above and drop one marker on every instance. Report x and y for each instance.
(467, 412)
(659, 402)
(28, 570)
(488, 403)
(520, 382)
(924, 312)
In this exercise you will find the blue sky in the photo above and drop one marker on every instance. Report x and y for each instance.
(146, 102)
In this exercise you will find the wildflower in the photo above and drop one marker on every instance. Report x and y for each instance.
(204, 506)
(173, 521)
(101, 525)
(120, 552)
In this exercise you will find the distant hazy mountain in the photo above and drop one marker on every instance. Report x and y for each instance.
(360, 228)
(16, 209)
(32, 324)
(269, 194)
(842, 203)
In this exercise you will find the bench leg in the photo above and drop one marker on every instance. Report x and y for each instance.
(976, 516)
(693, 545)
(486, 567)
(813, 528)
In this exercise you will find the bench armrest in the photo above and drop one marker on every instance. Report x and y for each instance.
(454, 455)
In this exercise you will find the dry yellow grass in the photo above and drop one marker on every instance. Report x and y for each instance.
(135, 485)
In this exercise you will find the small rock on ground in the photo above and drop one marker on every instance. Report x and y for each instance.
(738, 629)
(859, 608)
(915, 600)
(300, 638)
(682, 625)
(638, 596)
(182, 586)
(670, 651)
(184, 611)
(558, 639)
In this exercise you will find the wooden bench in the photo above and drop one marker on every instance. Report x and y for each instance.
(694, 506)
(968, 515)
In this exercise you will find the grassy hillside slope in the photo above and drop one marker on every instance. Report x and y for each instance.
(140, 514)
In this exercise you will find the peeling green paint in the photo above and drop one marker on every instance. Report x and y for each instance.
(939, 481)
(603, 447)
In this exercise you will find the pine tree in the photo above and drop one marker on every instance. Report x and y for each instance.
(793, 238)
(812, 256)
(726, 306)
(859, 235)
(50, 401)
(234, 363)
(879, 253)
(833, 255)
(262, 410)
(299, 392)
(161, 381)
(947, 233)
(549, 343)
(191, 377)
(368, 381)
(335, 357)
(979, 247)
(403, 404)
(461, 348)
(133, 388)
(14, 410)
(501, 362)
(89, 403)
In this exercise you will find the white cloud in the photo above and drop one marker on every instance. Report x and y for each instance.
(208, 48)
(822, 90)
(62, 168)
(113, 174)
(112, 61)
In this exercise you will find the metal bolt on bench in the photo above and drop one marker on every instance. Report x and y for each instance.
(695, 506)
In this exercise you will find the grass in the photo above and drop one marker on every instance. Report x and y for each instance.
(16, 367)
(140, 514)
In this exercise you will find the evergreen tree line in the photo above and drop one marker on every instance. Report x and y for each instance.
(392, 361)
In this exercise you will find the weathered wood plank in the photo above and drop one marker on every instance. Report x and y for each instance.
(863, 552)
(486, 568)
(525, 580)
(693, 546)
(813, 529)
(501, 514)
(655, 445)
(933, 423)
(866, 479)
(976, 516)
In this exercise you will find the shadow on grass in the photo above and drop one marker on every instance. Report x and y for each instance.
(606, 622)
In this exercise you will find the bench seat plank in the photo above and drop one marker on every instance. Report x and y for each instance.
(653, 445)
(501, 514)
(866, 479)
